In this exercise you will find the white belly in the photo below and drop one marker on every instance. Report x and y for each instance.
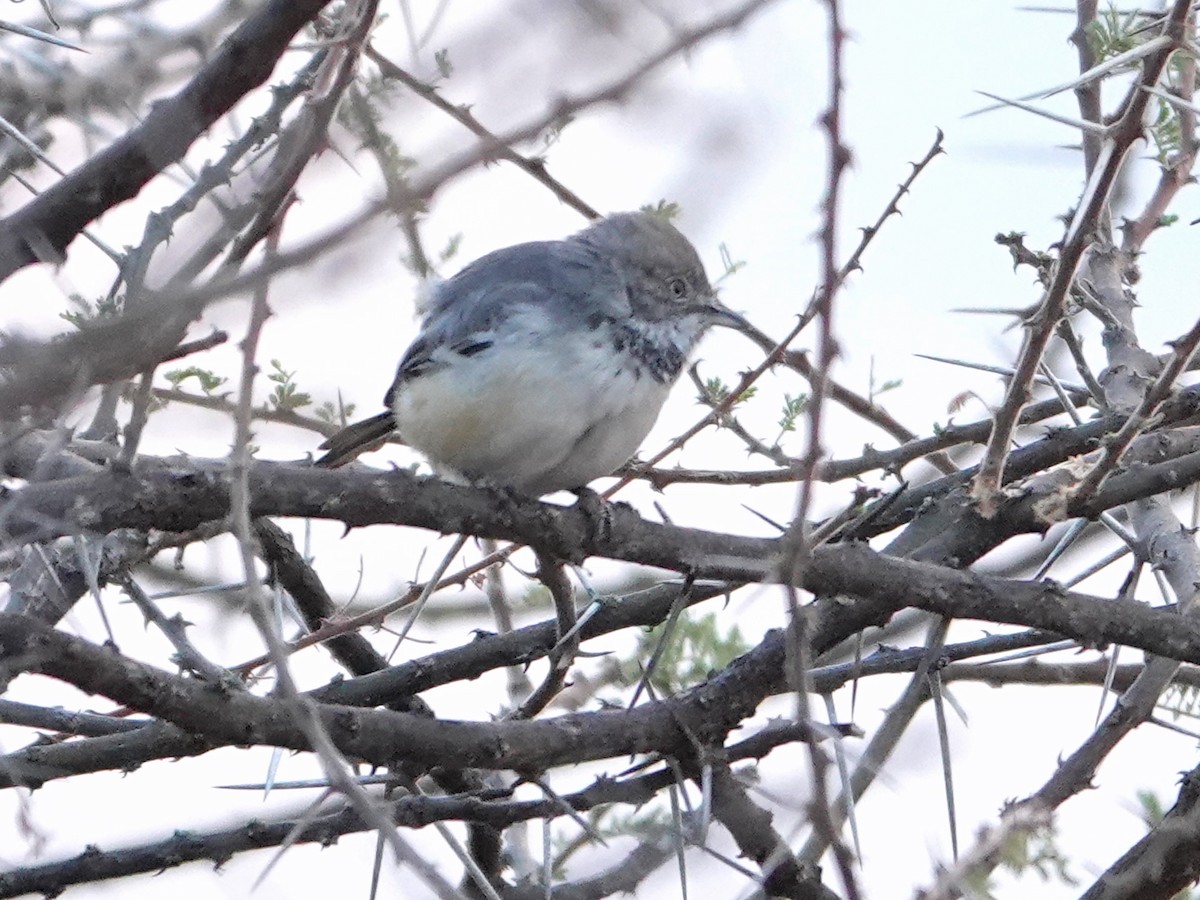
(537, 418)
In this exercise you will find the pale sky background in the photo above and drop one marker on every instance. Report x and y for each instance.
(730, 135)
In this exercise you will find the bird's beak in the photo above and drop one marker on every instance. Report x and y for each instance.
(720, 314)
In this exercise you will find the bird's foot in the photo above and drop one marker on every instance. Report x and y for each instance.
(599, 513)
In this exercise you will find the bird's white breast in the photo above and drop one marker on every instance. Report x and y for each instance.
(539, 411)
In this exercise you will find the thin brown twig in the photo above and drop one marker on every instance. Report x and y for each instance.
(1176, 173)
(374, 617)
(187, 304)
(1121, 137)
(729, 422)
(861, 406)
(261, 413)
(43, 228)
(839, 469)
(1141, 418)
(535, 167)
(780, 350)
(1071, 341)
(305, 136)
(1087, 93)
(989, 851)
(332, 761)
(796, 546)
(552, 574)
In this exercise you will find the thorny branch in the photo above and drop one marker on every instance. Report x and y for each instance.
(84, 491)
(1121, 136)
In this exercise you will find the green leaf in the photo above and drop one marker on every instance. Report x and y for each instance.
(208, 381)
(715, 390)
(105, 308)
(793, 408)
(699, 645)
(286, 397)
(451, 249)
(1113, 33)
(665, 208)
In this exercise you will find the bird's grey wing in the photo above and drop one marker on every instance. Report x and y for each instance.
(461, 333)
(560, 268)
(569, 283)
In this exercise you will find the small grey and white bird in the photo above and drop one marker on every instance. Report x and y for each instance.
(541, 367)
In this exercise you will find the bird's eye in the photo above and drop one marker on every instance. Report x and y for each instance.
(678, 288)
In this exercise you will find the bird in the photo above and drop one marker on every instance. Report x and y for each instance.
(542, 366)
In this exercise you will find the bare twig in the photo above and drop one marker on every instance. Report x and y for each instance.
(43, 228)
(535, 167)
(1121, 137)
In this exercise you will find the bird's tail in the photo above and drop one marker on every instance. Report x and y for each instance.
(355, 439)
